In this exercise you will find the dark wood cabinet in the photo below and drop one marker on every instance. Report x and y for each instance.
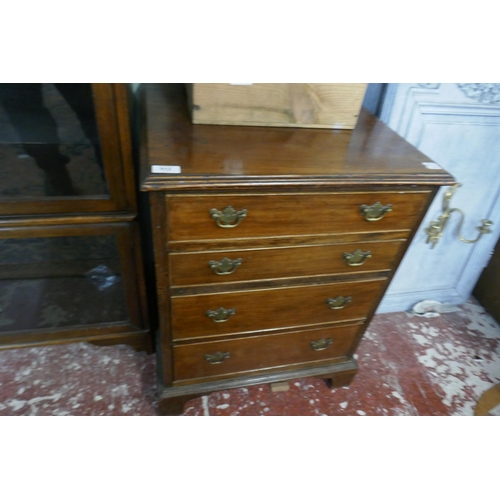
(487, 289)
(71, 267)
(273, 246)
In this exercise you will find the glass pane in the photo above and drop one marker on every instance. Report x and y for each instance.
(49, 142)
(60, 282)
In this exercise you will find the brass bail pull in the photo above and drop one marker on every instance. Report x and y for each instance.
(375, 212)
(229, 217)
(338, 302)
(224, 266)
(358, 258)
(221, 315)
(217, 358)
(320, 345)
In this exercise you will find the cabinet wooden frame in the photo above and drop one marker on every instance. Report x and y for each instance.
(112, 102)
(134, 331)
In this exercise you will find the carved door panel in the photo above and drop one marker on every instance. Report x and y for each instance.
(458, 126)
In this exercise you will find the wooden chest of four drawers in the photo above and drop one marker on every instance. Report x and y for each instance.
(272, 247)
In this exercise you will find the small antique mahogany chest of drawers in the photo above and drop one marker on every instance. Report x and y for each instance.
(272, 246)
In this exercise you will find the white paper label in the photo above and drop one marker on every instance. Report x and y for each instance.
(165, 169)
(241, 84)
(431, 166)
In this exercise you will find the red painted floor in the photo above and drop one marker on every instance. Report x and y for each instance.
(408, 366)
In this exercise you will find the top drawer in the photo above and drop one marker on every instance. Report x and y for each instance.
(212, 217)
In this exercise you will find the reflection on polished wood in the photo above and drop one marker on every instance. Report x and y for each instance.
(243, 156)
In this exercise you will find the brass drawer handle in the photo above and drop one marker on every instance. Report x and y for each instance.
(358, 258)
(217, 358)
(320, 345)
(221, 315)
(375, 212)
(339, 302)
(225, 266)
(229, 217)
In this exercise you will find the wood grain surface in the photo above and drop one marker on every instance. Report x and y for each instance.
(310, 105)
(214, 157)
(266, 310)
(259, 353)
(290, 214)
(275, 263)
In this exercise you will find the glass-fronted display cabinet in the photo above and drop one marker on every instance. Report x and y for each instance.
(71, 264)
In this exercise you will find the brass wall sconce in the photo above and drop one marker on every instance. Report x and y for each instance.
(436, 227)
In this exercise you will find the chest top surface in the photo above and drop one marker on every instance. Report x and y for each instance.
(242, 156)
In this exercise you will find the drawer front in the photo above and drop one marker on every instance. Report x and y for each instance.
(255, 310)
(210, 359)
(192, 218)
(251, 265)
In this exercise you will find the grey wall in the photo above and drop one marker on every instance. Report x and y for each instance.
(373, 97)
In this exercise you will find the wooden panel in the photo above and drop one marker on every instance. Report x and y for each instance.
(271, 309)
(103, 334)
(258, 353)
(285, 241)
(290, 214)
(310, 105)
(272, 263)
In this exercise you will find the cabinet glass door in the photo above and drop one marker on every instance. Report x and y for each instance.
(61, 147)
(61, 282)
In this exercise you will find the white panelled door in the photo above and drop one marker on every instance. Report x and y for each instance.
(458, 126)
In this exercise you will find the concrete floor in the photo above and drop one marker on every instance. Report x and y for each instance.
(409, 365)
